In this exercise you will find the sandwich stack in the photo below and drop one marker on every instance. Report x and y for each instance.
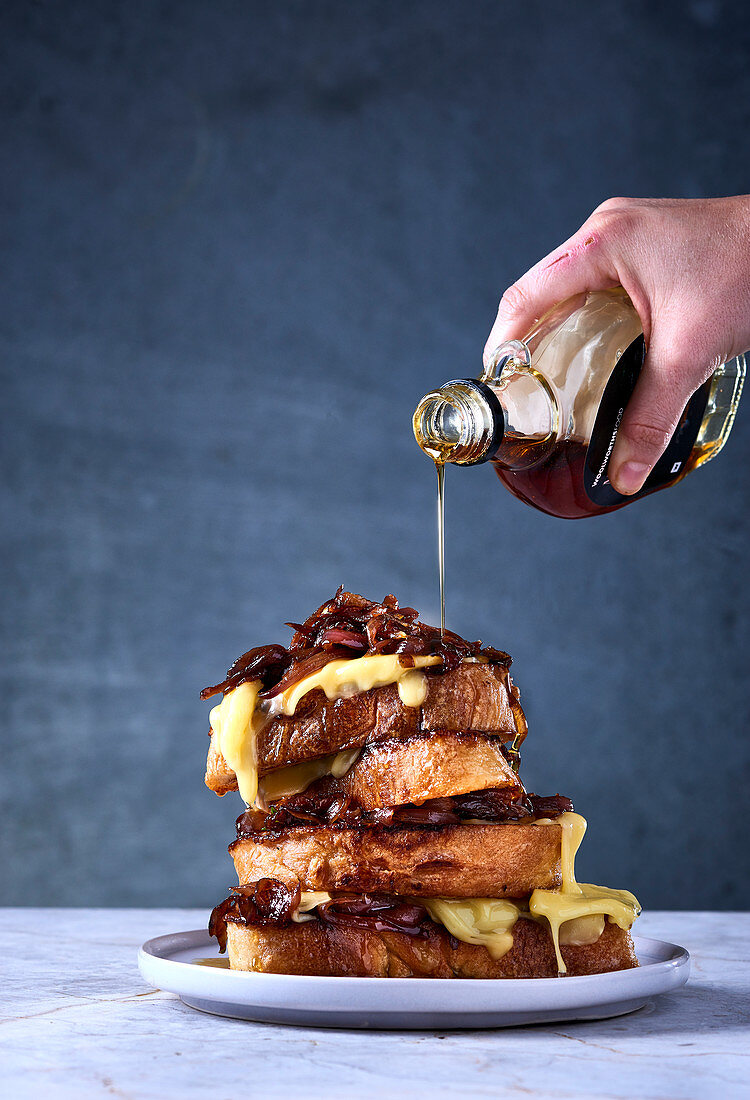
(387, 832)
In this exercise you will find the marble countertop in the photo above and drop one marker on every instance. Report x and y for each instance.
(76, 1020)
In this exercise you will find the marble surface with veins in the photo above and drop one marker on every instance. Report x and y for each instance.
(76, 1020)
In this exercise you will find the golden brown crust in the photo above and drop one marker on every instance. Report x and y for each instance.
(506, 860)
(474, 698)
(321, 949)
(393, 773)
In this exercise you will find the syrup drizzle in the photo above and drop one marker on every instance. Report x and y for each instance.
(440, 468)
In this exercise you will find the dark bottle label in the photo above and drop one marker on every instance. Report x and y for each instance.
(614, 400)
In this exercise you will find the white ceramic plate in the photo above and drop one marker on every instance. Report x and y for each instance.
(168, 963)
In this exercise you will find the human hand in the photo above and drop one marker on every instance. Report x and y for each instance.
(685, 263)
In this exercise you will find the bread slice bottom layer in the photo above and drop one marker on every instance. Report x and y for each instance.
(315, 948)
(507, 860)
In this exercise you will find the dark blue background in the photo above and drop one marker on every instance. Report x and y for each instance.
(240, 240)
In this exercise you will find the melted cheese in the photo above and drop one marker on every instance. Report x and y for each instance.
(239, 717)
(236, 722)
(309, 900)
(412, 688)
(484, 921)
(573, 831)
(582, 930)
(342, 679)
(298, 777)
(576, 903)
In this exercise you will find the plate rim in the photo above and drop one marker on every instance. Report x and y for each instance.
(158, 951)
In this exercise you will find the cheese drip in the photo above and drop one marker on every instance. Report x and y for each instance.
(351, 676)
(483, 921)
(236, 723)
(412, 688)
(577, 901)
(298, 777)
(239, 717)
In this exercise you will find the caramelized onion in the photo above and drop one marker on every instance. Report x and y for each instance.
(266, 663)
(269, 902)
(436, 811)
(550, 805)
(264, 902)
(381, 914)
(323, 804)
(350, 638)
(347, 626)
(494, 804)
(306, 664)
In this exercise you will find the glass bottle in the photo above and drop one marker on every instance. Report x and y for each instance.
(546, 410)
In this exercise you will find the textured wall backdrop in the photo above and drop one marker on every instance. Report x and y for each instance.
(239, 241)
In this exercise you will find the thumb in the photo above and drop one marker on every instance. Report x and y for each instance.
(651, 416)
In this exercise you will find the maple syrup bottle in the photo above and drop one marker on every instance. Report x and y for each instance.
(547, 409)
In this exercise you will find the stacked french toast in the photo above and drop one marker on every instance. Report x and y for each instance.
(386, 831)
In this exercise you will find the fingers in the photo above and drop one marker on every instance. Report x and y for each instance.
(581, 264)
(651, 417)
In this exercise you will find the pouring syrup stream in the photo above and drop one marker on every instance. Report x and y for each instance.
(440, 468)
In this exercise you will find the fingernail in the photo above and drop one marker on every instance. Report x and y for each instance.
(630, 477)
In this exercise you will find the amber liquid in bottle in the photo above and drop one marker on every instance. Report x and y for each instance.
(556, 485)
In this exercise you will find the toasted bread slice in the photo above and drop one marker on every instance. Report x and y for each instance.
(474, 698)
(324, 949)
(393, 773)
(507, 860)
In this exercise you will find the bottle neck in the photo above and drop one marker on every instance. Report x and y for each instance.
(509, 416)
